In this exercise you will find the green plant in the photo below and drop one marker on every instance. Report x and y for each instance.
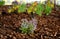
(2, 3)
(29, 10)
(27, 27)
(47, 10)
(50, 3)
(22, 8)
(40, 9)
(32, 8)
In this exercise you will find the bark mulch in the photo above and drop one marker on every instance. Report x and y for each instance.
(48, 26)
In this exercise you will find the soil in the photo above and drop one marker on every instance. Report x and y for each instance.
(48, 26)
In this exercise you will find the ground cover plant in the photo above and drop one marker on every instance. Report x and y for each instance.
(28, 27)
(22, 8)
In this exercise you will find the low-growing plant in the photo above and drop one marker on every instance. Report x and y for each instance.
(35, 7)
(13, 9)
(22, 8)
(40, 9)
(10, 10)
(50, 3)
(29, 10)
(32, 8)
(47, 10)
(27, 27)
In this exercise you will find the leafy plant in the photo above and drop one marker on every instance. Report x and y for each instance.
(13, 9)
(29, 10)
(27, 27)
(10, 10)
(50, 3)
(32, 8)
(48, 10)
(40, 9)
(22, 8)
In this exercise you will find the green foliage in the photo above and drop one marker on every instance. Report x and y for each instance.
(40, 9)
(22, 8)
(35, 8)
(29, 10)
(26, 27)
(48, 10)
(32, 8)
(2, 3)
(50, 3)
